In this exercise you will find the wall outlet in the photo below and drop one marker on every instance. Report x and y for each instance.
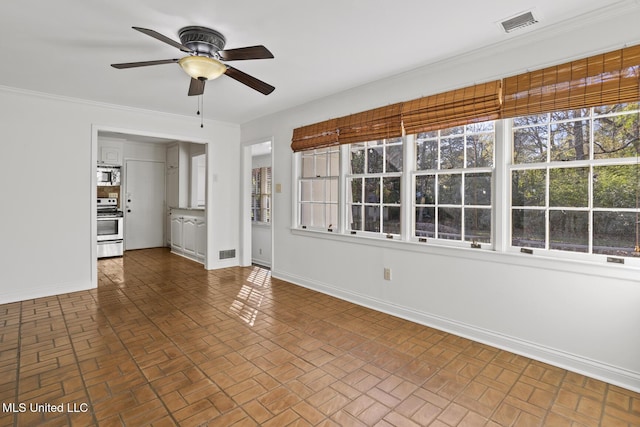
(387, 273)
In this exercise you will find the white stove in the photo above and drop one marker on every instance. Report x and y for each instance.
(110, 222)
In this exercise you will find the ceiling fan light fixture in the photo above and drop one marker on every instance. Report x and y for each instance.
(202, 67)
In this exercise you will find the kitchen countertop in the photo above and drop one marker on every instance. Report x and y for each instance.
(173, 208)
(187, 211)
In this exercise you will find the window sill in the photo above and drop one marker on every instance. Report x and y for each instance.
(538, 261)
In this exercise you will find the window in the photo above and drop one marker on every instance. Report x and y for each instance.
(546, 160)
(374, 183)
(318, 188)
(575, 182)
(453, 183)
(261, 194)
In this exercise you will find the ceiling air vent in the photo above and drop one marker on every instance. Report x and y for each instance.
(520, 21)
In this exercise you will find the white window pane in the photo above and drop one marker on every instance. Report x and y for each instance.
(530, 145)
(318, 219)
(450, 189)
(480, 150)
(305, 191)
(616, 186)
(614, 233)
(334, 165)
(450, 223)
(477, 189)
(569, 230)
(425, 222)
(372, 218)
(318, 193)
(393, 158)
(426, 154)
(306, 214)
(528, 228)
(477, 225)
(614, 136)
(308, 166)
(375, 160)
(570, 141)
(332, 215)
(569, 187)
(332, 191)
(391, 220)
(322, 162)
(452, 153)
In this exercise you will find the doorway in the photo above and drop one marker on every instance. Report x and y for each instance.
(258, 216)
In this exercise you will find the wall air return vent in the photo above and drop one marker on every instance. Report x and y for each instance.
(519, 21)
(228, 253)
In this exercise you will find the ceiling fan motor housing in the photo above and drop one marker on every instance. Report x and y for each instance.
(204, 41)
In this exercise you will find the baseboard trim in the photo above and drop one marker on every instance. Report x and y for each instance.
(42, 292)
(261, 262)
(601, 371)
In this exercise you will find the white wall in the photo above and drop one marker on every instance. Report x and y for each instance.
(48, 163)
(573, 315)
(261, 233)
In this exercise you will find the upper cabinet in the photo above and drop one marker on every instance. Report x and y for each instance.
(110, 152)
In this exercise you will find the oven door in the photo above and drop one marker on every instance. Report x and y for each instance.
(110, 228)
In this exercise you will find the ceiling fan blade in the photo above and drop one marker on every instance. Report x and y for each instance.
(156, 35)
(143, 63)
(250, 81)
(196, 87)
(250, 52)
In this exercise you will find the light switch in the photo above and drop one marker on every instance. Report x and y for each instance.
(278, 188)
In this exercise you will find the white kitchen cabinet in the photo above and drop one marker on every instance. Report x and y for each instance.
(201, 239)
(176, 234)
(110, 152)
(188, 236)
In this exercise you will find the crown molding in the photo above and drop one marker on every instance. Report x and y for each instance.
(105, 105)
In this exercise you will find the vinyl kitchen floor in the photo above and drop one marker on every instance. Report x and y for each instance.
(163, 342)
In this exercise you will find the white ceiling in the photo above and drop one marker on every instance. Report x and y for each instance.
(65, 47)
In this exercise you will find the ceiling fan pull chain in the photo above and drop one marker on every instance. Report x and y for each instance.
(202, 108)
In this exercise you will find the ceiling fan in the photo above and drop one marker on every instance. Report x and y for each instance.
(206, 51)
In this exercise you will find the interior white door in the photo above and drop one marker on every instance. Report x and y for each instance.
(144, 204)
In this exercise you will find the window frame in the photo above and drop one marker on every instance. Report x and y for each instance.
(501, 227)
(463, 171)
(326, 179)
(380, 204)
(590, 163)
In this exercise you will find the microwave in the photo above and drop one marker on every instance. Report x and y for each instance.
(108, 175)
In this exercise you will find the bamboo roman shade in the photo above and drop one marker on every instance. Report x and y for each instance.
(379, 123)
(317, 135)
(471, 104)
(605, 79)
